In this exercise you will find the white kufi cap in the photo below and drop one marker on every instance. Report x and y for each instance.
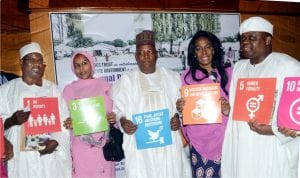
(30, 48)
(256, 24)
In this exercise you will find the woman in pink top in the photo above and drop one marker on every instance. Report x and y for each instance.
(86, 150)
(205, 60)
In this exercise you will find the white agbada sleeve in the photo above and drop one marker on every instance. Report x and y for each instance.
(29, 164)
(248, 154)
(229, 146)
(130, 95)
(121, 98)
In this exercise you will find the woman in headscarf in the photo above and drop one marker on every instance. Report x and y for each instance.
(87, 153)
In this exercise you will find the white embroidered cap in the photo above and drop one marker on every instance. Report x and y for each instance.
(32, 47)
(256, 24)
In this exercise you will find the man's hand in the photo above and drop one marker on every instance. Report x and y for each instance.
(18, 118)
(288, 132)
(180, 104)
(175, 122)
(111, 117)
(68, 123)
(261, 129)
(50, 147)
(128, 126)
(9, 151)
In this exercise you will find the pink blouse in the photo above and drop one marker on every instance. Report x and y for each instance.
(88, 160)
(207, 139)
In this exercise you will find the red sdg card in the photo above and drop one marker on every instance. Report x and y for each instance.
(254, 99)
(44, 117)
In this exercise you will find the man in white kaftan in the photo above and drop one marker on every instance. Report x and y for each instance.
(143, 90)
(251, 149)
(55, 159)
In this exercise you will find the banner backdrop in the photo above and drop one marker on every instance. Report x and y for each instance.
(110, 38)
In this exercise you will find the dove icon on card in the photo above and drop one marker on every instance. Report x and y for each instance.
(154, 135)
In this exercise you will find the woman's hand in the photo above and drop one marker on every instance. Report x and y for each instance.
(225, 107)
(111, 117)
(68, 123)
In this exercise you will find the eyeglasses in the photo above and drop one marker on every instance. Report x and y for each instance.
(145, 53)
(32, 61)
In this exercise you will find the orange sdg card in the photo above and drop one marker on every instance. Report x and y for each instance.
(254, 99)
(202, 104)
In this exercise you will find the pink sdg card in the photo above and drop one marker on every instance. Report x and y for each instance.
(288, 114)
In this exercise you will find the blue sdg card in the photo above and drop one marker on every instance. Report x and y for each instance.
(153, 129)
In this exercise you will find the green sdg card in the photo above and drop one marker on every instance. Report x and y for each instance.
(88, 115)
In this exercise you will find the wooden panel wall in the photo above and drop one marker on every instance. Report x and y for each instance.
(10, 45)
(39, 32)
(286, 34)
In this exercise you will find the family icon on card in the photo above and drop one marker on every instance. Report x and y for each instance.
(41, 121)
